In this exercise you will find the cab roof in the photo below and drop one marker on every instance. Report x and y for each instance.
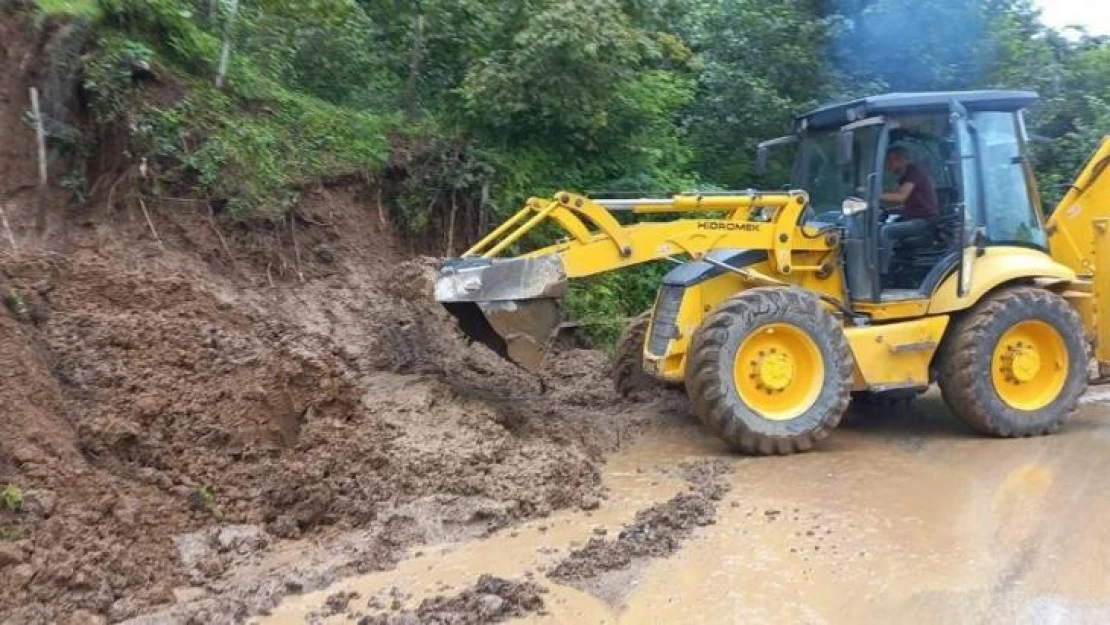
(836, 115)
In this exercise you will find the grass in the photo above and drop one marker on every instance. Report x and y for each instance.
(253, 144)
(13, 534)
(81, 8)
(17, 304)
(11, 498)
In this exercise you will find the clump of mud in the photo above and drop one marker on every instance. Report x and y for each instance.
(172, 408)
(151, 397)
(656, 532)
(151, 405)
(490, 600)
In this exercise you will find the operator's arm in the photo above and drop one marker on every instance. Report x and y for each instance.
(901, 195)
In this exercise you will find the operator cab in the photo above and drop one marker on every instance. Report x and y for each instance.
(972, 145)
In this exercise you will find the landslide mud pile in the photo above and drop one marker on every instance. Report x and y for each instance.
(247, 384)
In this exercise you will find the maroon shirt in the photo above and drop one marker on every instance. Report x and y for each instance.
(922, 202)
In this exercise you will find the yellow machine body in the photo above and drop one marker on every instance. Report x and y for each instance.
(894, 352)
(1079, 237)
(887, 356)
(736, 253)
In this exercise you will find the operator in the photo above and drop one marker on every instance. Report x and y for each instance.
(915, 200)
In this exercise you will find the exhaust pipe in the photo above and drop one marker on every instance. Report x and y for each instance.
(510, 305)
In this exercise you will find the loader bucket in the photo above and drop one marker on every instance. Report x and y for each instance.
(510, 305)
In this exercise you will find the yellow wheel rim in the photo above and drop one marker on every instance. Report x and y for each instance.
(1030, 365)
(779, 371)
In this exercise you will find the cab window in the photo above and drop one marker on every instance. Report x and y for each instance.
(1009, 214)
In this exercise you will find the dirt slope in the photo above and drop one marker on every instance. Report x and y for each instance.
(174, 406)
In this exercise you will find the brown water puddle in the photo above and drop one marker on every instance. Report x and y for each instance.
(908, 519)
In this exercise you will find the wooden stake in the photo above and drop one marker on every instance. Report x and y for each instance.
(296, 248)
(220, 236)
(225, 47)
(381, 209)
(8, 228)
(150, 223)
(40, 136)
(451, 225)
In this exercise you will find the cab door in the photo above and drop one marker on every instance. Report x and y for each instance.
(971, 195)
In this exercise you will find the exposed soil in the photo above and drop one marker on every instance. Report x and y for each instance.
(180, 409)
(657, 532)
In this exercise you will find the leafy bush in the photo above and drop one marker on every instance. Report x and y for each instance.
(253, 145)
(11, 498)
(489, 102)
(604, 304)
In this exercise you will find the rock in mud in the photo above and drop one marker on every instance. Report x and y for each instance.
(39, 502)
(241, 539)
(187, 594)
(490, 600)
(194, 548)
(22, 575)
(10, 554)
(84, 617)
(336, 603)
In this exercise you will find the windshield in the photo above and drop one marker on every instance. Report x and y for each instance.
(827, 182)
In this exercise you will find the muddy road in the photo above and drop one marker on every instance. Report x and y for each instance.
(274, 423)
(904, 518)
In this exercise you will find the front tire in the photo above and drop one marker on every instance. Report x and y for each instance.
(628, 373)
(770, 371)
(1016, 364)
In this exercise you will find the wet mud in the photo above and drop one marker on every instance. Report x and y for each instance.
(656, 532)
(906, 517)
(273, 423)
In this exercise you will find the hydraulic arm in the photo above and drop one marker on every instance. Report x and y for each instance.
(1079, 237)
(510, 303)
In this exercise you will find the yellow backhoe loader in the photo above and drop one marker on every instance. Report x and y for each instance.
(777, 312)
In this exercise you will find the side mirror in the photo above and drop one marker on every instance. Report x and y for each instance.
(761, 160)
(845, 145)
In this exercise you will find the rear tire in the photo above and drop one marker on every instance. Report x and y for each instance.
(1016, 364)
(770, 371)
(628, 373)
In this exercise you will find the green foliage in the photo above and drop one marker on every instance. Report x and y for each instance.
(558, 76)
(13, 534)
(81, 8)
(16, 303)
(472, 106)
(11, 498)
(170, 23)
(204, 499)
(257, 159)
(207, 496)
(252, 145)
(605, 303)
(109, 77)
(445, 170)
(763, 63)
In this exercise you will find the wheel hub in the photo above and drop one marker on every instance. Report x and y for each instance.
(774, 371)
(778, 371)
(1021, 362)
